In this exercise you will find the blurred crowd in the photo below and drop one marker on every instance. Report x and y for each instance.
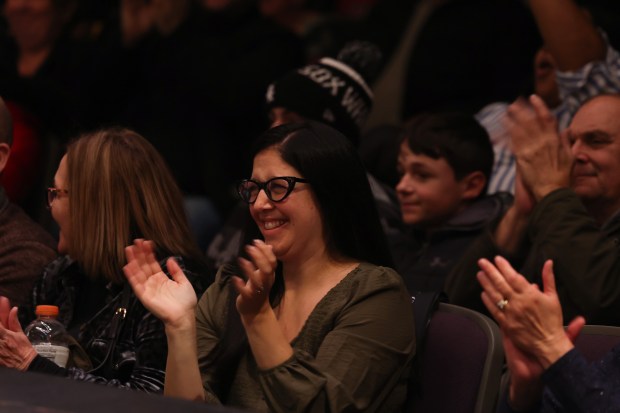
(356, 154)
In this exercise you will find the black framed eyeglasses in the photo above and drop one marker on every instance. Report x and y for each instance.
(276, 189)
(53, 193)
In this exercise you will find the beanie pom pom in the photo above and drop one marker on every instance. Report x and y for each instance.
(363, 57)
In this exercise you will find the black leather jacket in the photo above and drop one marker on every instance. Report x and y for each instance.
(129, 352)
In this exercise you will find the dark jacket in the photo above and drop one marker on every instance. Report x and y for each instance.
(138, 356)
(432, 257)
(25, 249)
(575, 385)
(586, 260)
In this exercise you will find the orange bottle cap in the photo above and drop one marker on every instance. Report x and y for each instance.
(48, 310)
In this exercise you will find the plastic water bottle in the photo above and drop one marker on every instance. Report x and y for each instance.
(48, 336)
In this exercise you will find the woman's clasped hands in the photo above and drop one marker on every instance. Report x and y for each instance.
(531, 322)
(531, 318)
(15, 350)
(260, 276)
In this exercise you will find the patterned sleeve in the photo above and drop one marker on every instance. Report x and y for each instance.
(574, 383)
(595, 78)
(491, 117)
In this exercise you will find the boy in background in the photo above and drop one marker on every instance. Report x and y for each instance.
(445, 162)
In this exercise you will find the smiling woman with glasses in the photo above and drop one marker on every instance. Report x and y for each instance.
(310, 319)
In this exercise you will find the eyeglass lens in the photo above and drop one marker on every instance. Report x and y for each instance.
(276, 189)
(52, 194)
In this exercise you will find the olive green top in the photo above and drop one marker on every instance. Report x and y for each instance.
(354, 352)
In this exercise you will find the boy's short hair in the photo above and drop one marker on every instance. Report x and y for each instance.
(456, 137)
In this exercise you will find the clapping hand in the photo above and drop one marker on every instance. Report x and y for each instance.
(543, 155)
(260, 276)
(530, 317)
(531, 324)
(171, 300)
(15, 350)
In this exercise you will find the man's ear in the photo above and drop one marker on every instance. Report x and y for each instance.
(5, 152)
(473, 184)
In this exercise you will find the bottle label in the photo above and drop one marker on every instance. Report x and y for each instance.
(58, 354)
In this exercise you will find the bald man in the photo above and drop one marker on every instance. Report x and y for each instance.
(567, 208)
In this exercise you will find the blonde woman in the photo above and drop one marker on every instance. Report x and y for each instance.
(111, 187)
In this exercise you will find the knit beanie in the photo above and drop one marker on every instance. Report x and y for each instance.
(332, 91)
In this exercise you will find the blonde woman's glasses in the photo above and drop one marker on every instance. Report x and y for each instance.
(53, 193)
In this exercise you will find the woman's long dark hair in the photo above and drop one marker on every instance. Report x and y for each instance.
(328, 160)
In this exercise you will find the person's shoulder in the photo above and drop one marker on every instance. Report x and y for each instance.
(495, 204)
(58, 276)
(381, 288)
(369, 277)
(481, 212)
(18, 227)
(492, 113)
(561, 199)
(377, 270)
(60, 266)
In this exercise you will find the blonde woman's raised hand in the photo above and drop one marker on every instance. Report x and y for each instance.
(171, 300)
(259, 272)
